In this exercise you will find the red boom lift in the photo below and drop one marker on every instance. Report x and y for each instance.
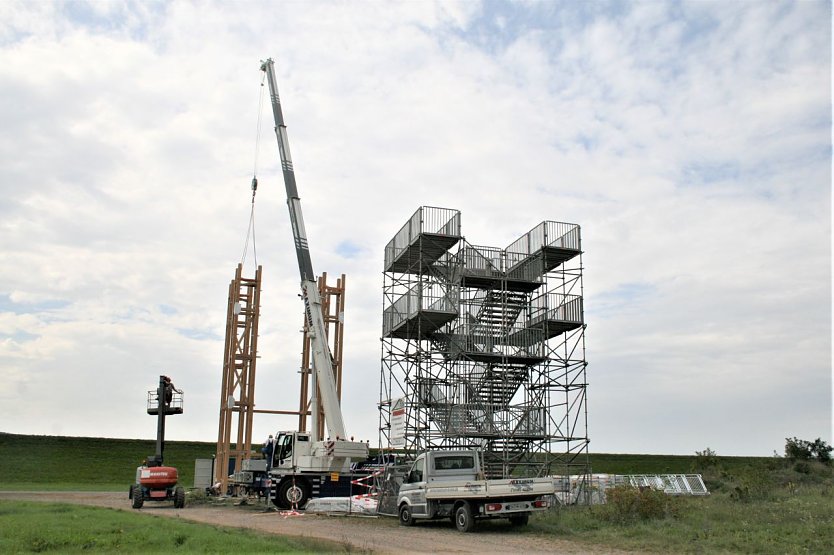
(154, 481)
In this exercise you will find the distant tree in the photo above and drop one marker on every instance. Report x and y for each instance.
(802, 450)
(821, 450)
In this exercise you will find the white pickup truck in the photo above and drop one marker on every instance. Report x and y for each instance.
(450, 484)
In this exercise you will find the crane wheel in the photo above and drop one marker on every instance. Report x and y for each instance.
(293, 494)
(138, 497)
(179, 497)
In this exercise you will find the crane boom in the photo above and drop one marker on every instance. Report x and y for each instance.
(322, 358)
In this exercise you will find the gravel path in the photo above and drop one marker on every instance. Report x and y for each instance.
(368, 534)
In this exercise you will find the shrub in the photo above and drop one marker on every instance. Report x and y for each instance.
(752, 483)
(705, 459)
(802, 467)
(628, 504)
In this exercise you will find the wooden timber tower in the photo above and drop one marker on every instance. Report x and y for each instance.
(237, 394)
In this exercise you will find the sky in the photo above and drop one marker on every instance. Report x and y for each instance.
(690, 140)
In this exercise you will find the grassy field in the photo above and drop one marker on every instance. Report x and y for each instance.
(58, 528)
(762, 506)
(757, 504)
(82, 463)
(105, 464)
(606, 463)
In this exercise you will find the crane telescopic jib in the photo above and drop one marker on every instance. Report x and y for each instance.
(322, 358)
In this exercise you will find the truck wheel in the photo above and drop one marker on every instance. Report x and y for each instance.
(179, 498)
(405, 515)
(293, 494)
(520, 520)
(464, 520)
(138, 497)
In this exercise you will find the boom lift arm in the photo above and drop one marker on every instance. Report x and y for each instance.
(322, 358)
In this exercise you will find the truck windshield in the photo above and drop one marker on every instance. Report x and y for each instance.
(416, 474)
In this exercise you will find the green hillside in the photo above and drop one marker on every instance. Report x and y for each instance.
(608, 463)
(88, 463)
(762, 505)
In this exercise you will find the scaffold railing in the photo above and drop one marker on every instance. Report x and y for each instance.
(547, 234)
(555, 306)
(482, 261)
(434, 297)
(515, 269)
(427, 219)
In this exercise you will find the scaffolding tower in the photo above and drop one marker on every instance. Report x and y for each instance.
(484, 347)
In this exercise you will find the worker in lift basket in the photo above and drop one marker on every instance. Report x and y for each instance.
(169, 391)
(268, 450)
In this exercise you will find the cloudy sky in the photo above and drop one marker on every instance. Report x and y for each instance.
(692, 143)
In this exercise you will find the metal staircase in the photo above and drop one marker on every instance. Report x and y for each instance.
(498, 312)
(497, 384)
(502, 454)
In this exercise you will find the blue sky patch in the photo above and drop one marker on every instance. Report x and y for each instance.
(616, 300)
(199, 335)
(123, 17)
(628, 291)
(706, 173)
(19, 336)
(348, 249)
(49, 305)
(167, 310)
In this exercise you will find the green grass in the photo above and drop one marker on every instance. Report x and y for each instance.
(90, 464)
(37, 527)
(768, 506)
(104, 464)
(608, 463)
(757, 504)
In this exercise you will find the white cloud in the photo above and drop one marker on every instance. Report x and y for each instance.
(692, 143)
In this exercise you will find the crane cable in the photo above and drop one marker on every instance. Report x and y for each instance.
(250, 232)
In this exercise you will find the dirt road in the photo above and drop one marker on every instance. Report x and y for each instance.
(369, 534)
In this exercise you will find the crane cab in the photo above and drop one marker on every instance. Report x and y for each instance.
(296, 452)
(290, 447)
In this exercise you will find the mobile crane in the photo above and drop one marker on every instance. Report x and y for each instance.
(303, 464)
